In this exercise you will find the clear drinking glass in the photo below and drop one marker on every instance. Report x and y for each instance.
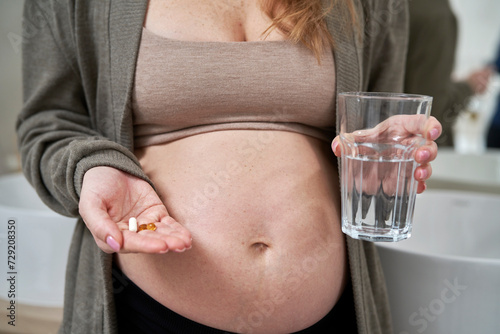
(379, 134)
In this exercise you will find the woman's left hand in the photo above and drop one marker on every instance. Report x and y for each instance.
(423, 156)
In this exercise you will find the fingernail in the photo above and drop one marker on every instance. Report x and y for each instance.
(334, 146)
(423, 174)
(434, 133)
(424, 155)
(113, 244)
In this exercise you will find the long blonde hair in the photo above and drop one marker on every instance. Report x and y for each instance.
(302, 21)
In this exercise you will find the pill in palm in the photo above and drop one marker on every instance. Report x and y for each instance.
(132, 224)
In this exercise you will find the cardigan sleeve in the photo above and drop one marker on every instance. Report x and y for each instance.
(57, 140)
(386, 29)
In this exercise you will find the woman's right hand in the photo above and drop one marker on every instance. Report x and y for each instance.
(109, 197)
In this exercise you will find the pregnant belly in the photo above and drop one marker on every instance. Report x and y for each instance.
(268, 254)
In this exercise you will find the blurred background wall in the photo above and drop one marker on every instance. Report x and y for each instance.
(478, 40)
(479, 33)
(10, 81)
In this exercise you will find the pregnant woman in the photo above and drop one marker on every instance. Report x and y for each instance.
(214, 121)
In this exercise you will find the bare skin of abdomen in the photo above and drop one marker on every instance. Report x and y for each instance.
(268, 254)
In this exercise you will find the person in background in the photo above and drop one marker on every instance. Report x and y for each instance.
(430, 62)
(493, 135)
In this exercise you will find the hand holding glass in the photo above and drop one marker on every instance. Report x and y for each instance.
(379, 135)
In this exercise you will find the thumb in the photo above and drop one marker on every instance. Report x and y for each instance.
(105, 231)
(336, 147)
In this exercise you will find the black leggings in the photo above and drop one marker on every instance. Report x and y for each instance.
(137, 313)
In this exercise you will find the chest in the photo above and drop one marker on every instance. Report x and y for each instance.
(218, 20)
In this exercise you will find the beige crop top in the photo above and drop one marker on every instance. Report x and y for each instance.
(184, 88)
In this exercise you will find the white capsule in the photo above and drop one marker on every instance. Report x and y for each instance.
(132, 224)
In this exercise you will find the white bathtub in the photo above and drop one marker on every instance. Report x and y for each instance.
(42, 240)
(446, 277)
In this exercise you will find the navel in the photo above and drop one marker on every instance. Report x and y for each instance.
(259, 247)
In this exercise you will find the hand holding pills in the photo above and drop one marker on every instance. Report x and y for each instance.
(124, 214)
